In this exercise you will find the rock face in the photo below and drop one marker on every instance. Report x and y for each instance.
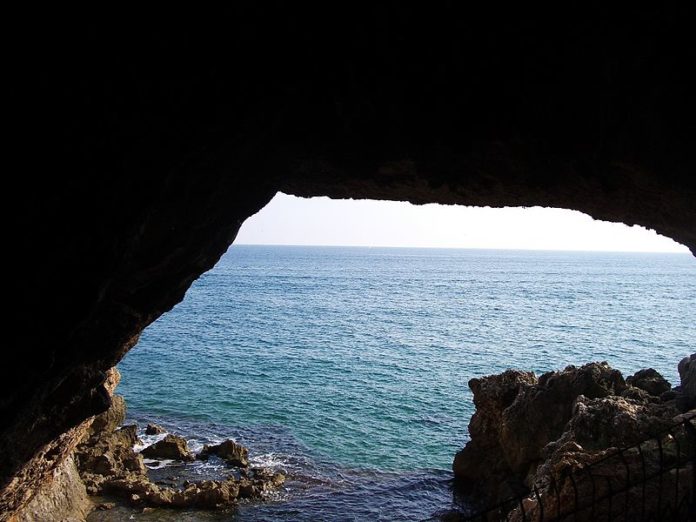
(108, 454)
(587, 452)
(484, 456)
(517, 416)
(163, 153)
(229, 451)
(170, 447)
(526, 432)
(63, 499)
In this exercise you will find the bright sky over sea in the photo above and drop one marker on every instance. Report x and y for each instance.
(289, 220)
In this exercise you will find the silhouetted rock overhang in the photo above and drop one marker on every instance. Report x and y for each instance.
(146, 139)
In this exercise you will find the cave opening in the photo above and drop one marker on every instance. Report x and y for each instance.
(349, 365)
(163, 132)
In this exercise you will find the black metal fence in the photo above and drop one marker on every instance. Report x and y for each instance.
(651, 481)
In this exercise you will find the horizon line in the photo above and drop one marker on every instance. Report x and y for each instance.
(471, 248)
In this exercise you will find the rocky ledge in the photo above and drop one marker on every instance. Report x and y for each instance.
(531, 431)
(109, 466)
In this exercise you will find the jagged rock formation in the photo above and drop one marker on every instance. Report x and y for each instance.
(229, 451)
(109, 465)
(161, 144)
(634, 479)
(517, 416)
(170, 447)
(529, 432)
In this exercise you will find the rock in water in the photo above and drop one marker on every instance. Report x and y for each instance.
(154, 429)
(649, 380)
(231, 452)
(170, 447)
(108, 465)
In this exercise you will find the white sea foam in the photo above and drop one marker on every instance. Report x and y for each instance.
(156, 464)
(147, 440)
(269, 460)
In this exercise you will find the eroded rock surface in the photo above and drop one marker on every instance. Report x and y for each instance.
(63, 498)
(109, 466)
(170, 447)
(516, 416)
(229, 451)
(528, 432)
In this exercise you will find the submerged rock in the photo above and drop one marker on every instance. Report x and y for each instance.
(154, 429)
(231, 452)
(170, 447)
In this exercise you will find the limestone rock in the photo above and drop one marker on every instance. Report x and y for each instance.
(539, 413)
(111, 418)
(481, 465)
(604, 423)
(110, 453)
(205, 494)
(170, 447)
(564, 422)
(154, 429)
(63, 498)
(231, 452)
(516, 417)
(649, 380)
(617, 422)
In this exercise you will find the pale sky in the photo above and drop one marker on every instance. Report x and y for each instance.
(289, 220)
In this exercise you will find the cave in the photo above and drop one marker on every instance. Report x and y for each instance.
(145, 139)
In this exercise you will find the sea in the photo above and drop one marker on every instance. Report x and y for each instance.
(347, 367)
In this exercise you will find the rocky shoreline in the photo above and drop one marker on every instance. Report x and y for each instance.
(107, 465)
(528, 432)
(544, 431)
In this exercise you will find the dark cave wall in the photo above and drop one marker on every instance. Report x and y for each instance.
(146, 139)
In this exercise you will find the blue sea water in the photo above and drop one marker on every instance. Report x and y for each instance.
(348, 367)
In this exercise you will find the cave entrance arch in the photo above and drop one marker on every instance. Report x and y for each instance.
(160, 145)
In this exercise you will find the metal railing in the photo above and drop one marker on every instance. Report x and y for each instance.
(650, 481)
